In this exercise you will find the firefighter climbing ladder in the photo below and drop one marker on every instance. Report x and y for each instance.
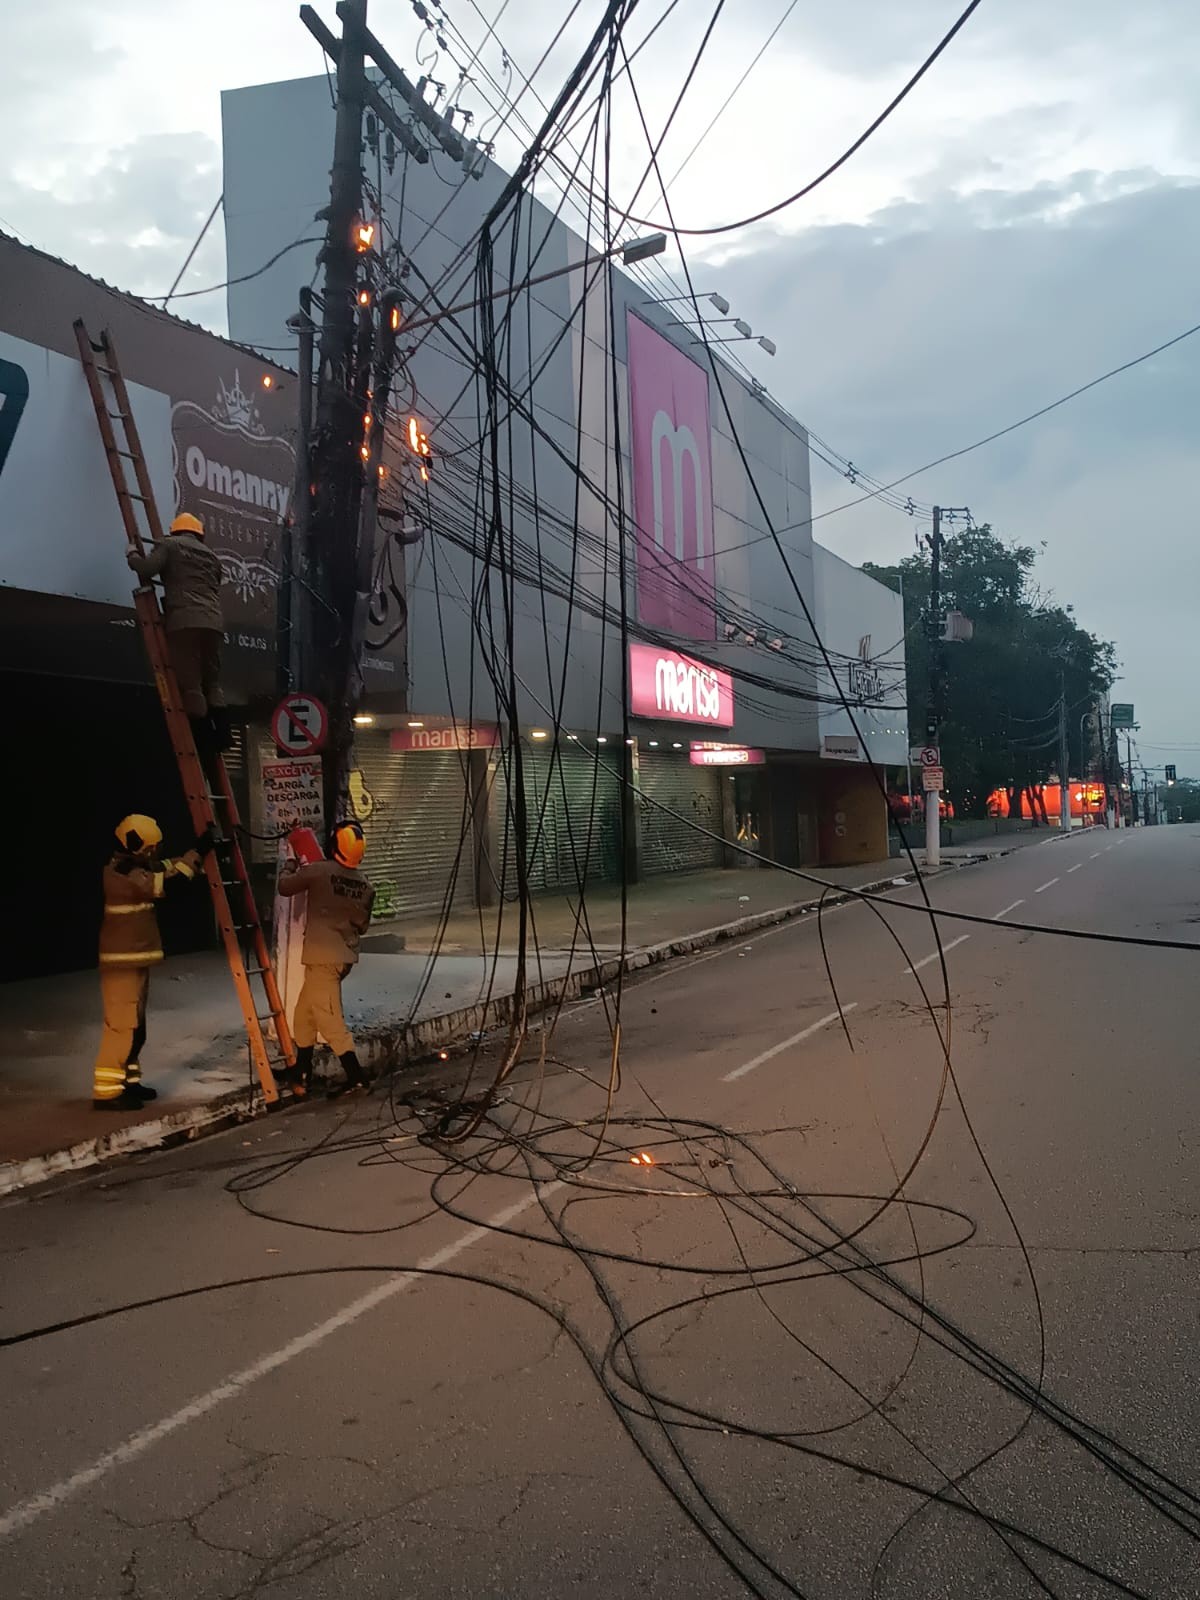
(225, 866)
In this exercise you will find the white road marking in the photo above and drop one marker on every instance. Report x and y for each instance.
(786, 1044)
(946, 948)
(680, 966)
(1077, 866)
(1107, 848)
(1007, 909)
(27, 1511)
(1046, 886)
(1095, 855)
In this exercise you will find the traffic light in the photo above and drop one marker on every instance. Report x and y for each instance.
(1170, 774)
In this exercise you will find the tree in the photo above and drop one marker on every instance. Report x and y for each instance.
(1002, 688)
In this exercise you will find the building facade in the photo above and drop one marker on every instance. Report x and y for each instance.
(707, 727)
(652, 610)
(85, 729)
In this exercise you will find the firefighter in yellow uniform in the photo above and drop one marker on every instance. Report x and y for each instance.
(130, 945)
(191, 578)
(339, 911)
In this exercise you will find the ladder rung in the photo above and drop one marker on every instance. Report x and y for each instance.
(120, 416)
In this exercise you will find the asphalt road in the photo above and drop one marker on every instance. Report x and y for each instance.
(914, 1319)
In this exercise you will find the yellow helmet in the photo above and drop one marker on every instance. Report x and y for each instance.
(347, 844)
(137, 832)
(185, 522)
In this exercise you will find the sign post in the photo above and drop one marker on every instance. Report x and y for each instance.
(293, 797)
(932, 779)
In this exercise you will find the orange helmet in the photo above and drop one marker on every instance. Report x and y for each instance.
(185, 522)
(347, 844)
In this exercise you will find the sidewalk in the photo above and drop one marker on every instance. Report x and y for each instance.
(196, 1054)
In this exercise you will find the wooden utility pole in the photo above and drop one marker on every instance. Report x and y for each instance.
(356, 353)
(296, 607)
(337, 462)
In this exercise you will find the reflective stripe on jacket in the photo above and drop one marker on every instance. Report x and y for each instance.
(129, 934)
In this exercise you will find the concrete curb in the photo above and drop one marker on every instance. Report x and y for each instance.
(159, 1133)
(394, 1046)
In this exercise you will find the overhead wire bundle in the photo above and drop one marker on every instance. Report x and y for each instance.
(490, 1133)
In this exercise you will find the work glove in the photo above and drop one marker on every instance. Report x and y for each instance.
(192, 859)
(205, 842)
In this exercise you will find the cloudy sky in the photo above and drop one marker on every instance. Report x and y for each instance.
(1029, 218)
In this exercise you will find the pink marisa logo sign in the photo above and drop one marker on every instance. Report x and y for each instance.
(664, 684)
(672, 486)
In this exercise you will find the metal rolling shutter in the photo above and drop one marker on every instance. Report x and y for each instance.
(563, 797)
(237, 766)
(669, 843)
(411, 806)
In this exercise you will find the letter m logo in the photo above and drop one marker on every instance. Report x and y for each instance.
(682, 446)
(14, 394)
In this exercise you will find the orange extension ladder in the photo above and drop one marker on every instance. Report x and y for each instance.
(212, 807)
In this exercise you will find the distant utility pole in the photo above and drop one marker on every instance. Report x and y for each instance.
(936, 710)
(1133, 801)
(1064, 780)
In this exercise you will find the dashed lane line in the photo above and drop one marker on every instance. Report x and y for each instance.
(1043, 887)
(786, 1044)
(27, 1511)
(945, 950)
(1007, 909)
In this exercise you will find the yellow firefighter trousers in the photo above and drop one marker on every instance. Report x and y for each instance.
(123, 991)
(319, 1010)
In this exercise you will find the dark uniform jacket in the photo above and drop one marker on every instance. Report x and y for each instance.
(191, 576)
(129, 934)
(339, 911)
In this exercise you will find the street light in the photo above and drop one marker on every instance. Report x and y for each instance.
(642, 249)
(636, 250)
(744, 333)
(717, 300)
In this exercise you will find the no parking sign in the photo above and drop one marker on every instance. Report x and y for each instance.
(299, 725)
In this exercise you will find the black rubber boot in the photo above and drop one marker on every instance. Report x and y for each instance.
(128, 1100)
(222, 728)
(300, 1076)
(356, 1078)
(133, 1073)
